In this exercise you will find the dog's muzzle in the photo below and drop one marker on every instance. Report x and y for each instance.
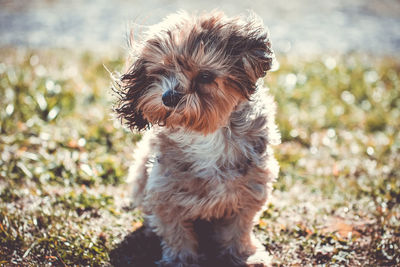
(171, 98)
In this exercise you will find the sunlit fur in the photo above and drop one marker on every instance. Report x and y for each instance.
(209, 157)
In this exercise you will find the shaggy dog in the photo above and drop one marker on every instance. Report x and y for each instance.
(206, 158)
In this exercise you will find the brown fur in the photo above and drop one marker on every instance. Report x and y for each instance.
(209, 157)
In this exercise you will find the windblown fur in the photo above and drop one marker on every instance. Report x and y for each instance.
(207, 156)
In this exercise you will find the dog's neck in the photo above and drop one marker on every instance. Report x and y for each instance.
(211, 155)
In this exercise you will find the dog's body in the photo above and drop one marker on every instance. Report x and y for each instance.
(210, 159)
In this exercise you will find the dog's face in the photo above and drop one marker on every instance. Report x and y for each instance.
(191, 72)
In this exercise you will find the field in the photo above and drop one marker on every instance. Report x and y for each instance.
(64, 158)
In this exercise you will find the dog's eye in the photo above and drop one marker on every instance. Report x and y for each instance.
(205, 77)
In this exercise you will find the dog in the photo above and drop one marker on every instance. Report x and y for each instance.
(194, 87)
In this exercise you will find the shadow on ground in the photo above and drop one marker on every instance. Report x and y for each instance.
(142, 248)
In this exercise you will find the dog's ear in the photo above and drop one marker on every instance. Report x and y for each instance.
(131, 86)
(252, 50)
(259, 57)
(257, 54)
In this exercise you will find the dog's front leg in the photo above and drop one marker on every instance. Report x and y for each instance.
(179, 241)
(238, 243)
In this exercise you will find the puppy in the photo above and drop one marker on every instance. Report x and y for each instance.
(194, 85)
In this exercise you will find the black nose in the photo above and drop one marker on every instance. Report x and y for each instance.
(171, 98)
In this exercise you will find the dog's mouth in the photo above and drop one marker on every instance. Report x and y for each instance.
(179, 114)
(172, 108)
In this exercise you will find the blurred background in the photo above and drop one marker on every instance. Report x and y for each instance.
(303, 26)
(64, 156)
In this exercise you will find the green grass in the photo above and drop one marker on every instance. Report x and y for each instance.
(63, 159)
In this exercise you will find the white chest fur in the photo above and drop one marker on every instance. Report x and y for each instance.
(210, 152)
(214, 156)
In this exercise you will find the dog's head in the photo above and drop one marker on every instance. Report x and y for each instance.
(192, 71)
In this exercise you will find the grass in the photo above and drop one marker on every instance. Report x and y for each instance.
(63, 159)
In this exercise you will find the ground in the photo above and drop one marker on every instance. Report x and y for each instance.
(64, 158)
